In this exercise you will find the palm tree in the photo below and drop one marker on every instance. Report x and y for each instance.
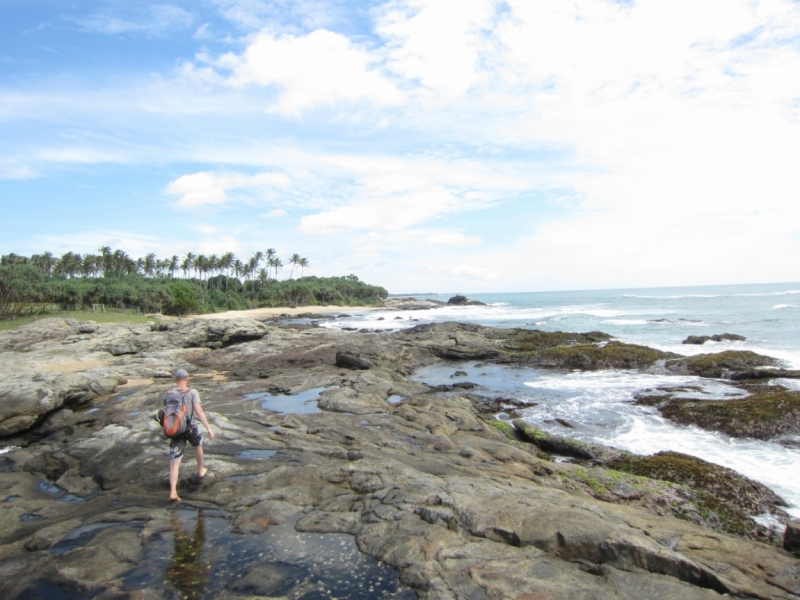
(263, 276)
(150, 264)
(269, 255)
(120, 262)
(293, 261)
(277, 264)
(213, 264)
(187, 264)
(108, 265)
(226, 262)
(238, 268)
(302, 263)
(172, 265)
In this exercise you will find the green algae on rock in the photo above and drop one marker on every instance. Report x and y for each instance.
(764, 415)
(721, 364)
(726, 500)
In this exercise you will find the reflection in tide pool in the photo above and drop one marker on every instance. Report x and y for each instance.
(202, 558)
(599, 405)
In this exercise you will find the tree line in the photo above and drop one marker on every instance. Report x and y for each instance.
(173, 285)
(117, 263)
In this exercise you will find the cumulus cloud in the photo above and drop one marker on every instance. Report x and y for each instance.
(436, 42)
(204, 188)
(320, 68)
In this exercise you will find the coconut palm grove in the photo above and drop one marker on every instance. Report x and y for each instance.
(193, 283)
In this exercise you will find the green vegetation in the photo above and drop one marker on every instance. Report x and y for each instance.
(590, 357)
(151, 285)
(763, 415)
(722, 363)
(586, 351)
(725, 499)
(506, 428)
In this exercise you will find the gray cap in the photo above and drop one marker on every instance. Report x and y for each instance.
(181, 374)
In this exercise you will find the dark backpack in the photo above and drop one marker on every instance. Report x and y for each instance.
(176, 415)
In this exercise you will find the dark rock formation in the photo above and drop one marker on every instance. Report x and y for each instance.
(351, 360)
(460, 300)
(791, 537)
(699, 340)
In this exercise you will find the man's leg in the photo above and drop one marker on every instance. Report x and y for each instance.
(201, 470)
(174, 470)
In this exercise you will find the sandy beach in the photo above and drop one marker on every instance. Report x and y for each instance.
(260, 313)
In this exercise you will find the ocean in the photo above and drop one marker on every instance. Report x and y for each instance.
(599, 404)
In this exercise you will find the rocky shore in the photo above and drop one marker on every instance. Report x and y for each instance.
(323, 438)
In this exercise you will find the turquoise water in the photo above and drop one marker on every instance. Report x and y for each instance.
(767, 314)
(599, 404)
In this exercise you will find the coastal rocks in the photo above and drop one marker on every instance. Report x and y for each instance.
(592, 357)
(431, 486)
(766, 414)
(410, 304)
(791, 537)
(460, 300)
(595, 453)
(23, 401)
(699, 340)
(721, 364)
(726, 500)
(351, 360)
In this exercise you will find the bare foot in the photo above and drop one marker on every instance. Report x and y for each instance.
(175, 498)
(203, 472)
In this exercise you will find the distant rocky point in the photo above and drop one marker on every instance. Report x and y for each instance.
(699, 340)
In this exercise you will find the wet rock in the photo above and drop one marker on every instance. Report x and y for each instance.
(567, 446)
(791, 537)
(721, 364)
(592, 357)
(264, 515)
(269, 579)
(764, 415)
(459, 374)
(699, 340)
(727, 500)
(351, 360)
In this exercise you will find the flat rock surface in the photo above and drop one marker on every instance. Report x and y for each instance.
(455, 504)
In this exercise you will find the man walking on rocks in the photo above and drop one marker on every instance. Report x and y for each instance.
(190, 399)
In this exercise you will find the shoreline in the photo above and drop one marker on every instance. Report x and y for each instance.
(255, 313)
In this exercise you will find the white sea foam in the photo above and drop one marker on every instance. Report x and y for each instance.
(599, 405)
(780, 306)
(8, 449)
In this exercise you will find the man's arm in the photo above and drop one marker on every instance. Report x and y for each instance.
(202, 416)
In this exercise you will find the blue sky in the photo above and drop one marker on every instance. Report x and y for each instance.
(425, 145)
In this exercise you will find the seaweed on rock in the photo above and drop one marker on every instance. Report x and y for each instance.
(764, 415)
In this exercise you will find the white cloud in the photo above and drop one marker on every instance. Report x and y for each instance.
(273, 214)
(154, 20)
(320, 68)
(397, 193)
(436, 42)
(203, 188)
(453, 239)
